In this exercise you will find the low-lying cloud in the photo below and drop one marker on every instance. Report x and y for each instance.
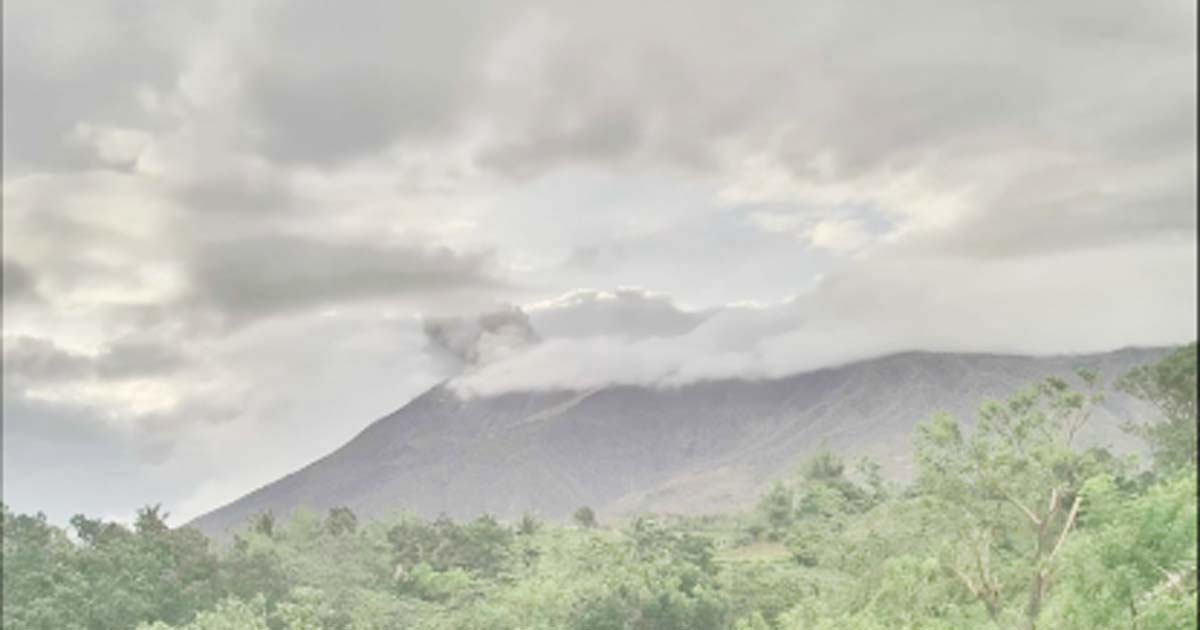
(1039, 306)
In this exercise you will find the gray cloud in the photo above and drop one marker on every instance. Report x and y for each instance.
(972, 96)
(602, 136)
(32, 360)
(80, 446)
(52, 450)
(239, 192)
(865, 83)
(128, 358)
(328, 82)
(466, 342)
(260, 276)
(975, 176)
(92, 232)
(66, 65)
(1075, 216)
(557, 83)
(20, 285)
(1062, 126)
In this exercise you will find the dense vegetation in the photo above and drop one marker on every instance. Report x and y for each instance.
(1008, 525)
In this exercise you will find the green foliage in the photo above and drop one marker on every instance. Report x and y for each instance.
(228, 614)
(1007, 525)
(1010, 491)
(151, 521)
(111, 578)
(585, 517)
(777, 508)
(42, 586)
(765, 589)
(528, 525)
(483, 546)
(264, 523)
(1134, 566)
(754, 622)
(1170, 386)
(341, 521)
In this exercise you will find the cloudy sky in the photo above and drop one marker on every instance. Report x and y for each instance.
(235, 232)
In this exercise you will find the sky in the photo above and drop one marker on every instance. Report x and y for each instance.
(236, 232)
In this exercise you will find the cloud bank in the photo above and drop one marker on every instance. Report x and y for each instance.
(229, 226)
(1036, 307)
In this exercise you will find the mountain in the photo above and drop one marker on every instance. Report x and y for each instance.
(705, 447)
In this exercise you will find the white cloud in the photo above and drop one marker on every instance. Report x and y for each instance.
(840, 235)
(113, 145)
(624, 312)
(1074, 302)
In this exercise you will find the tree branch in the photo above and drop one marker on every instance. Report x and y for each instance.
(1052, 506)
(966, 580)
(1033, 518)
(1062, 536)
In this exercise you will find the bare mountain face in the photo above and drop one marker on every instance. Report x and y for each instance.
(706, 447)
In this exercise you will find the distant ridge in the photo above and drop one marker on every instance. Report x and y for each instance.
(705, 447)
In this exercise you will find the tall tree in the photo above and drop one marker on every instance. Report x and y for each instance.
(151, 520)
(1010, 490)
(1170, 386)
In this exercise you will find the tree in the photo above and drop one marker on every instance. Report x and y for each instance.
(528, 525)
(485, 546)
(256, 566)
(151, 520)
(95, 532)
(264, 523)
(825, 465)
(228, 614)
(1170, 386)
(1010, 490)
(1134, 566)
(777, 507)
(305, 609)
(585, 517)
(341, 521)
(43, 587)
(870, 472)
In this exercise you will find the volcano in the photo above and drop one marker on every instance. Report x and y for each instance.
(706, 447)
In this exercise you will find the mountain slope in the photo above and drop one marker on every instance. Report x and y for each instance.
(709, 446)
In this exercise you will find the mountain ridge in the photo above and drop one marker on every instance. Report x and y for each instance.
(622, 449)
